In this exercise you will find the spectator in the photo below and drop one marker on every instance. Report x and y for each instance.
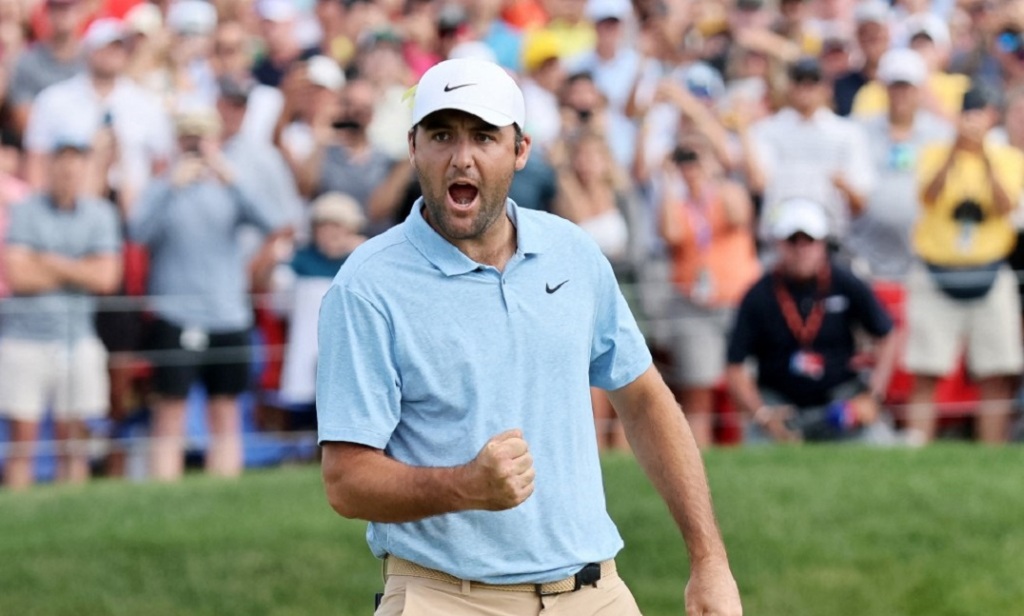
(188, 219)
(799, 323)
(336, 224)
(543, 76)
(62, 249)
(99, 104)
(49, 61)
(805, 150)
(504, 39)
(964, 293)
(942, 94)
(614, 67)
(344, 160)
(232, 59)
(872, 19)
(593, 193)
(191, 25)
(277, 19)
(880, 237)
(709, 233)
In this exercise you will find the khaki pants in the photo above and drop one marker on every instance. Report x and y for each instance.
(414, 596)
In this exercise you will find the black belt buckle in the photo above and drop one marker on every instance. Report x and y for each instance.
(588, 576)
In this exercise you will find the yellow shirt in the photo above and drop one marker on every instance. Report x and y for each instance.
(873, 99)
(941, 240)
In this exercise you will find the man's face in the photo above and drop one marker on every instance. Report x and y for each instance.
(109, 61)
(465, 167)
(65, 17)
(801, 256)
(903, 98)
(873, 40)
(230, 56)
(806, 94)
(974, 124)
(67, 171)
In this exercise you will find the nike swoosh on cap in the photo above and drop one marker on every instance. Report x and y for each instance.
(449, 87)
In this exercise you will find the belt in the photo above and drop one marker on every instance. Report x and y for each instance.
(588, 576)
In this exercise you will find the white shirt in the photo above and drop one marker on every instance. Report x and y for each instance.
(71, 110)
(800, 156)
(543, 117)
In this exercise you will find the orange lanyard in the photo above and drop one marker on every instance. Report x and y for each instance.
(804, 330)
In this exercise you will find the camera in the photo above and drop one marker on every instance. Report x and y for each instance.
(968, 211)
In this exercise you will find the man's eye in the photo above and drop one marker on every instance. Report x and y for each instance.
(440, 137)
(485, 137)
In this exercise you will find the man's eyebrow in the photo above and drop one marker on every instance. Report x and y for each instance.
(442, 124)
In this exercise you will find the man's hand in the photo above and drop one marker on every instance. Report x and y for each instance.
(501, 476)
(712, 590)
(773, 420)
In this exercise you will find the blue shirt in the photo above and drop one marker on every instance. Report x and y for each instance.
(89, 229)
(427, 354)
(198, 274)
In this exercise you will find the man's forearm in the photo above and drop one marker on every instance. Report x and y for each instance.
(665, 448)
(366, 484)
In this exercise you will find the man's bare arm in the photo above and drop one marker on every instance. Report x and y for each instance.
(665, 448)
(364, 483)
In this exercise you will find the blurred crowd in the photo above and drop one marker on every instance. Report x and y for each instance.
(179, 181)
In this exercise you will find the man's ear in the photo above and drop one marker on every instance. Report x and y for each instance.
(524, 153)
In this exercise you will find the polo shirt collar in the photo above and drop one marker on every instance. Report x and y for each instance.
(449, 259)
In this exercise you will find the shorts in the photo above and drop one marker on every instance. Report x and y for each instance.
(699, 341)
(183, 356)
(38, 375)
(939, 328)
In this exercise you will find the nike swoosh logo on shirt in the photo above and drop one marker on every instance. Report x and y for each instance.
(551, 289)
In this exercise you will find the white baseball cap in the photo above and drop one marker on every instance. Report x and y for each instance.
(902, 66)
(799, 216)
(930, 25)
(196, 17)
(103, 32)
(872, 12)
(280, 11)
(325, 72)
(478, 87)
(599, 10)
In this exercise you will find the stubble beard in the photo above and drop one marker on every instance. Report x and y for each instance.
(491, 208)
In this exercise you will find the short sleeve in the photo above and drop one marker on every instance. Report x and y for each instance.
(357, 382)
(107, 236)
(869, 312)
(19, 226)
(741, 336)
(619, 352)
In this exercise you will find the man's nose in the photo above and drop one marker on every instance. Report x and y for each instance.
(462, 153)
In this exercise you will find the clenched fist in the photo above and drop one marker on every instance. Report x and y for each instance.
(501, 476)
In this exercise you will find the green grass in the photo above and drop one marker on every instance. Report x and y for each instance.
(817, 530)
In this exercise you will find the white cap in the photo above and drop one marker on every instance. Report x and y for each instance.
(930, 25)
(277, 10)
(144, 18)
(325, 72)
(192, 17)
(103, 32)
(872, 12)
(598, 10)
(902, 66)
(477, 50)
(799, 216)
(477, 87)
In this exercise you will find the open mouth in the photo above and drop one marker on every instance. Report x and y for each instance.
(462, 194)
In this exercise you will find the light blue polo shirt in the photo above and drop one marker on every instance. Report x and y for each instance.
(427, 354)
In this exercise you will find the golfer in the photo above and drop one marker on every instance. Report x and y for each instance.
(456, 355)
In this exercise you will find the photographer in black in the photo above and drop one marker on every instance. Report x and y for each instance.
(962, 297)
